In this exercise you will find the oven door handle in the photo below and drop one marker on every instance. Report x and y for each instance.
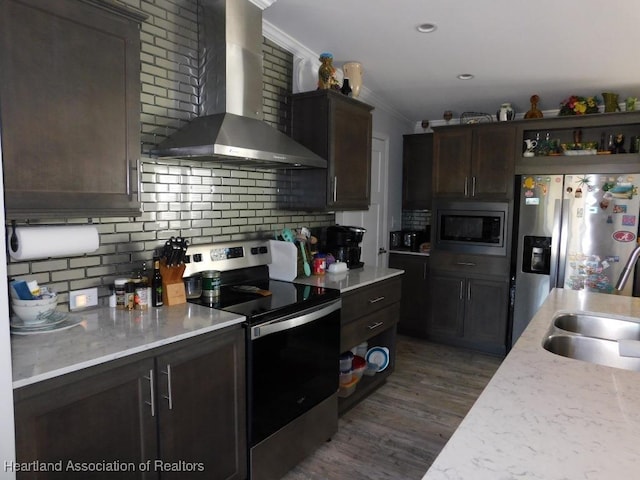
(295, 320)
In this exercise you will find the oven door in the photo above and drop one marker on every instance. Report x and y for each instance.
(292, 367)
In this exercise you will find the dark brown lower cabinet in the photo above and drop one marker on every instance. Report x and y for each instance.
(469, 311)
(175, 412)
(370, 314)
(415, 305)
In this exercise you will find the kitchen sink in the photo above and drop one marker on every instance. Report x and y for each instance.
(598, 326)
(590, 349)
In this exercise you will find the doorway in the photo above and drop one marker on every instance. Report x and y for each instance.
(374, 220)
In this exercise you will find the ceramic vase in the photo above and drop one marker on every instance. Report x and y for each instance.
(610, 102)
(353, 71)
(505, 113)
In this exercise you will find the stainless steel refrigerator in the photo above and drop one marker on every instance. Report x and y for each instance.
(573, 231)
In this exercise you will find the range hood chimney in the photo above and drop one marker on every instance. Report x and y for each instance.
(230, 128)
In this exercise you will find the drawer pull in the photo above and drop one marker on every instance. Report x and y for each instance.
(376, 300)
(375, 325)
(466, 264)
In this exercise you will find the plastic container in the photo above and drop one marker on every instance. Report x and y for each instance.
(358, 372)
(347, 389)
(372, 369)
(361, 350)
(193, 286)
(346, 378)
(345, 361)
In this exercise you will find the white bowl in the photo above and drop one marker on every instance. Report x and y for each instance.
(34, 311)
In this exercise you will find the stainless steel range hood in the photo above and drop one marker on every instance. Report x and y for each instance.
(230, 128)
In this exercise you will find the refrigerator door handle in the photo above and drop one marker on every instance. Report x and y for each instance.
(561, 225)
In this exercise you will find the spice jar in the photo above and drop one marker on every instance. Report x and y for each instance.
(130, 295)
(120, 291)
(319, 264)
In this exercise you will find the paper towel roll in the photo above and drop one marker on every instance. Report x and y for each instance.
(53, 241)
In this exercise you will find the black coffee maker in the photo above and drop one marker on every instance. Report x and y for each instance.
(344, 244)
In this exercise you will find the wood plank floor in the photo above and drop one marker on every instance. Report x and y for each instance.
(397, 432)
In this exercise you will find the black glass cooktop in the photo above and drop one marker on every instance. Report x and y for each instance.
(276, 299)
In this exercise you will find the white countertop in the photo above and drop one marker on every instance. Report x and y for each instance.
(543, 416)
(106, 334)
(351, 279)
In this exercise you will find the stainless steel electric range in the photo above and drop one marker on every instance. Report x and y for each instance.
(292, 345)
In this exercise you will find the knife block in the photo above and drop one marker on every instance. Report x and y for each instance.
(173, 292)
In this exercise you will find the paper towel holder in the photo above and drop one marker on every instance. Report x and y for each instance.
(14, 238)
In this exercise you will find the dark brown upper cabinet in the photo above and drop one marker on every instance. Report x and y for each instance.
(417, 166)
(474, 161)
(338, 128)
(70, 108)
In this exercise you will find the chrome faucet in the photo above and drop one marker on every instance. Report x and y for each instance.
(628, 268)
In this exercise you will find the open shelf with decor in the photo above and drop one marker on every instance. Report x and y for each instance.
(573, 143)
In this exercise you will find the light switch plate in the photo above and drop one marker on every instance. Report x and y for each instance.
(79, 299)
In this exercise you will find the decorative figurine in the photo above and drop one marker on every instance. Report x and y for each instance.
(618, 144)
(327, 73)
(534, 112)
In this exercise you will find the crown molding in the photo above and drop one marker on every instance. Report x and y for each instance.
(306, 60)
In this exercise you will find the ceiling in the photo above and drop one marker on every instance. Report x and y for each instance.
(514, 48)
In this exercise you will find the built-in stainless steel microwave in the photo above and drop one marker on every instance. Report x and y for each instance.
(474, 228)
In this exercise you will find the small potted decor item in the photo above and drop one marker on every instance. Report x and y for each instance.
(575, 105)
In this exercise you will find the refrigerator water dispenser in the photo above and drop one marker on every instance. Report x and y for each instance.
(536, 255)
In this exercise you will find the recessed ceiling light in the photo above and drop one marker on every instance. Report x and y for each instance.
(465, 76)
(427, 27)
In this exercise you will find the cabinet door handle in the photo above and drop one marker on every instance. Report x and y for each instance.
(152, 396)
(469, 291)
(375, 325)
(461, 292)
(466, 188)
(424, 271)
(473, 186)
(335, 189)
(376, 300)
(168, 396)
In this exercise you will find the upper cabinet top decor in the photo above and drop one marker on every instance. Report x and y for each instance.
(575, 105)
(70, 108)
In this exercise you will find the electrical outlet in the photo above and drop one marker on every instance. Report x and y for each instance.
(83, 298)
